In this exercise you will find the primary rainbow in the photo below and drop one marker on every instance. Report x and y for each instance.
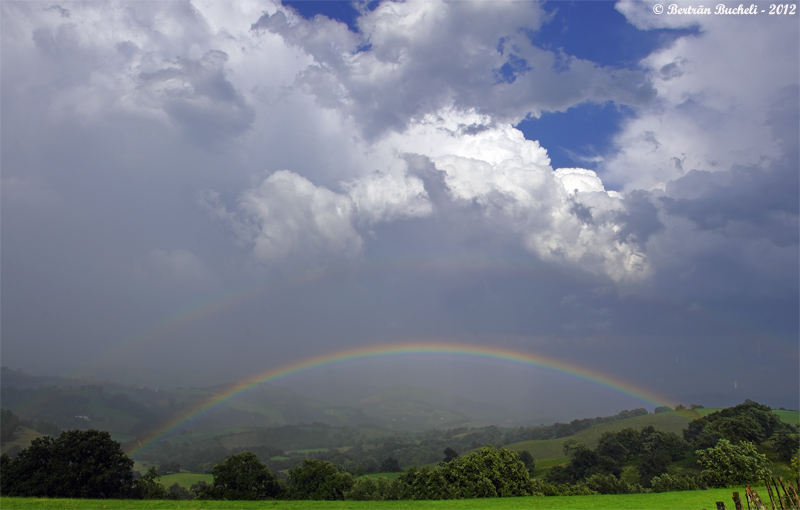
(403, 349)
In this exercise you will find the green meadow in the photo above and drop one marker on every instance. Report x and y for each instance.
(690, 500)
(186, 479)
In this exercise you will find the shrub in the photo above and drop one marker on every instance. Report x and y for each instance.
(316, 479)
(375, 489)
(608, 484)
(728, 464)
(669, 483)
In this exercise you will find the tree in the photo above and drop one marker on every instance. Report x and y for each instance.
(785, 443)
(652, 464)
(449, 455)
(77, 464)
(375, 489)
(668, 443)
(610, 446)
(316, 479)
(169, 467)
(149, 486)
(527, 460)
(390, 465)
(487, 473)
(178, 492)
(729, 464)
(241, 477)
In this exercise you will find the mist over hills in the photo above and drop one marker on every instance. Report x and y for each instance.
(131, 411)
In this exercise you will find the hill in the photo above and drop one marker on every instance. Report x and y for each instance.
(553, 448)
(131, 412)
(414, 408)
(22, 439)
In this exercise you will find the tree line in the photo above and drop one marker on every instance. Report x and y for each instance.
(365, 456)
(89, 464)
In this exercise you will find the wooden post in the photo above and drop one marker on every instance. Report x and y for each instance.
(748, 496)
(757, 500)
(796, 498)
(720, 505)
(769, 491)
(778, 491)
(737, 501)
(788, 496)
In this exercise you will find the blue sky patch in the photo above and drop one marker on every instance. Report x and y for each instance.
(334, 9)
(574, 137)
(596, 31)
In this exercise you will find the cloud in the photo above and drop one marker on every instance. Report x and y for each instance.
(196, 96)
(287, 217)
(711, 109)
(389, 77)
(565, 216)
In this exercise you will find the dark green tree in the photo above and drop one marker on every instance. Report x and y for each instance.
(178, 492)
(527, 460)
(786, 443)
(650, 465)
(241, 477)
(487, 473)
(449, 454)
(610, 446)
(77, 464)
(390, 465)
(315, 479)
(668, 443)
(149, 486)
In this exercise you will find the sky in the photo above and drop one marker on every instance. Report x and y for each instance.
(196, 192)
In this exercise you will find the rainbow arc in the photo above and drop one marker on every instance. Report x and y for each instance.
(488, 353)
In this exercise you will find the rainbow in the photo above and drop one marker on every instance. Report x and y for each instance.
(401, 349)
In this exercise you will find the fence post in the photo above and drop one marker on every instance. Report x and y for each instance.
(737, 501)
(778, 491)
(769, 491)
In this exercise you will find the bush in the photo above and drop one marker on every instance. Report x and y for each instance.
(77, 464)
(608, 484)
(241, 477)
(316, 479)
(178, 492)
(669, 483)
(727, 464)
(149, 486)
(375, 489)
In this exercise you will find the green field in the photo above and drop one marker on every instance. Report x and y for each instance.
(553, 448)
(785, 416)
(689, 500)
(22, 438)
(186, 479)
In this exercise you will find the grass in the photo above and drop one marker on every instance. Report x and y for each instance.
(554, 448)
(186, 479)
(785, 416)
(663, 501)
(22, 438)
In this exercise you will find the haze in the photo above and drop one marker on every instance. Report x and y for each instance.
(197, 192)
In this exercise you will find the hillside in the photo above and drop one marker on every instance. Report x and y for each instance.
(22, 439)
(553, 448)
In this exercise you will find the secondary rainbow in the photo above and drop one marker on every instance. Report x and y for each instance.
(403, 349)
